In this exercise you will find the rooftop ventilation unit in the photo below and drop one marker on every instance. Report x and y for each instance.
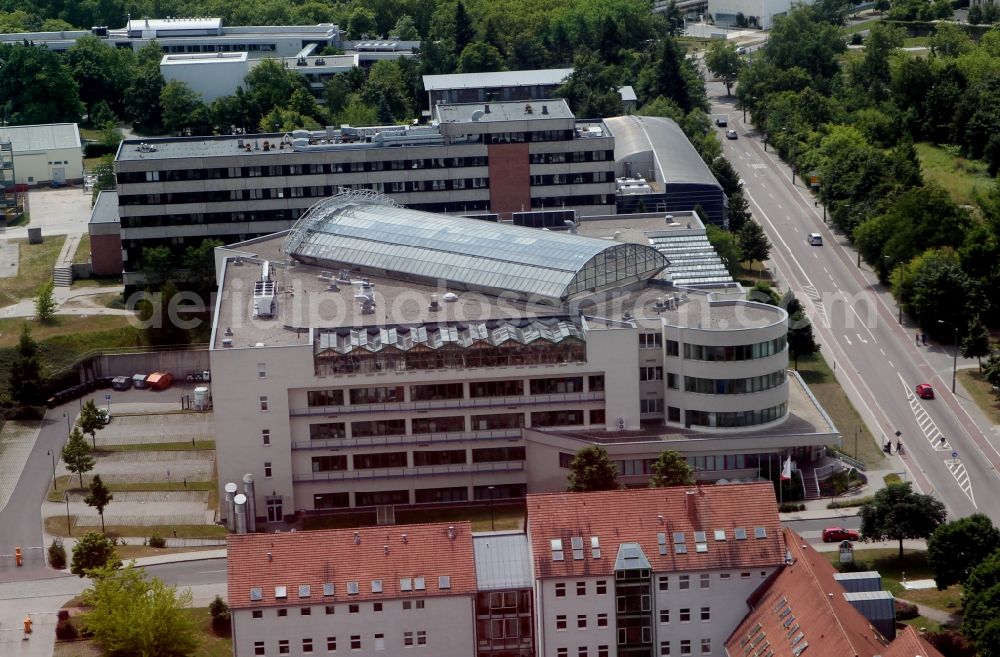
(227, 342)
(450, 297)
(434, 303)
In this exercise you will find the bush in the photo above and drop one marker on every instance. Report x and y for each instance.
(951, 643)
(63, 614)
(845, 504)
(790, 508)
(906, 610)
(57, 555)
(220, 613)
(157, 541)
(66, 630)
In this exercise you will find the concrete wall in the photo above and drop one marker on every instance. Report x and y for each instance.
(178, 363)
(208, 75)
(106, 254)
(549, 639)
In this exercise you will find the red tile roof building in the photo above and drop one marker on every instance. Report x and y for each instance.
(803, 611)
(371, 589)
(660, 571)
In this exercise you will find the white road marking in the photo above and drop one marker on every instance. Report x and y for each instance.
(848, 340)
(890, 364)
(883, 351)
(937, 441)
(862, 339)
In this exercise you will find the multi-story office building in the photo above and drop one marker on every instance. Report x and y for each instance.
(495, 86)
(376, 355)
(196, 35)
(493, 158)
(701, 571)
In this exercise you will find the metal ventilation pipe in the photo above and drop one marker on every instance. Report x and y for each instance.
(240, 503)
(230, 489)
(251, 502)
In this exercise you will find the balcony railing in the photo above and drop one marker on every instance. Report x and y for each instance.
(417, 439)
(438, 404)
(424, 471)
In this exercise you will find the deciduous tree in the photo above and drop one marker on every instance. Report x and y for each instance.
(76, 455)
(976, 342)
(956, 548)
(592, 470)
(94, 553)
(131, 614)
(45, 302)
(724, 63)
(670, 469)
(99, 498)
(754, 244)
(91, 420)
(896, 513)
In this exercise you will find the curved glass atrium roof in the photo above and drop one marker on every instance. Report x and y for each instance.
(369, 231)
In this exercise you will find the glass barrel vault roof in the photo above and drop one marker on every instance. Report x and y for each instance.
(371, 232)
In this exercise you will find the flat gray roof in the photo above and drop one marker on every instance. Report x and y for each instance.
(47, 137)
(106, 209)
(502, 560)
(675, 157)
(544, 76)
(500, 112)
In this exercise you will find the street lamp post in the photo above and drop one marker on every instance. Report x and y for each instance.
(857, 432)
(954, 365)
(69, 527)
(54, 486)
(69, 431)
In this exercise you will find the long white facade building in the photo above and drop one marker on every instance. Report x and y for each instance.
(377, 356)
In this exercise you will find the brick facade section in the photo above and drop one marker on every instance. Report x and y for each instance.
(106, 254)
(510, 178)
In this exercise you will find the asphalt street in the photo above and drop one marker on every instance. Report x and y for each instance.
(946, 452)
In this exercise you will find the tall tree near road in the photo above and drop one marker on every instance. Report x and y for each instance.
(896, 513)
(592, 470)
(976, 343)
(722, 60)
(45, 303)
(26, 381)
(76, 455)
(94, 555)
(754, 243)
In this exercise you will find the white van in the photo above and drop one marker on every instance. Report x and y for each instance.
(815, 239)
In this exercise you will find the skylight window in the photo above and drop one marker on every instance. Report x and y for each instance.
(418, 584)
(256, 594)
(577, 544)
(699, 537)
(376, 586)
(720, 534)
(352, 588)
(740, 533)
(759, 532)
(661, 540)
(444, 582)
(406, 584)
(328, 588)
(280, 592)
(557, 549)
(595, 547)
(678, 537)
(304, 590)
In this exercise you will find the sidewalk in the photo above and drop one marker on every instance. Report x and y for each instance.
(26, 307)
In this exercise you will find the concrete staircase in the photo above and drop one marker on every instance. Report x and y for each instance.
(62, 276)
(810, 485)
(62, 273)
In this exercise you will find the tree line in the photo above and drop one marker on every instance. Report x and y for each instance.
(852, 121)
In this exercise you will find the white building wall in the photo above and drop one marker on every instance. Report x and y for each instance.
(449, 623)
(590, 605)
(209, 75)
(42, 167)
(724, 12)
(612, 351)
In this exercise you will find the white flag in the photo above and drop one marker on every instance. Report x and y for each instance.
(786, 469)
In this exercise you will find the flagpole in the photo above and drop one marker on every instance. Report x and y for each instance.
(781, 481)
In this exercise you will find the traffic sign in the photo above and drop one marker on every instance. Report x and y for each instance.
(107, 397)
(954, 455)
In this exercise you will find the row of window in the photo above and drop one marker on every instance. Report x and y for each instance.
(352, 608)
(731, 419)
(216, 47)
(441, 391)
(306, 169)
(713, 463)
(342, 500)
(570, 178)
(734, 386)
(685, 647)
(410, 639)
(420, 458)
(581, 621)
(735, 352)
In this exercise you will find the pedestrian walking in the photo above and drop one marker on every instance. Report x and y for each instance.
(923, 336)
(916, 338)
(899, 447)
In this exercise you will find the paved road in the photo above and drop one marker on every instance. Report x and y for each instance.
(21, 518)
(855, 319)
(805, 527)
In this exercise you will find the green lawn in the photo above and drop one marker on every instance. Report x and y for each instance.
(964, 179)
(819, 377)
(82, 255)
(35, 267)
(72, 483)
(98, 282)
(178, 446)
(917, 42)
(913, 566)
(981, 392)
(56, 526)
(211, 644)
(860, 27)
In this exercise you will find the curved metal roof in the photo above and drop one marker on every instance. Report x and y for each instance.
(675, 157)
(369, 231)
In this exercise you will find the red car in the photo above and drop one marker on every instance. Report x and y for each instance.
(835, 534)
(925, 391)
